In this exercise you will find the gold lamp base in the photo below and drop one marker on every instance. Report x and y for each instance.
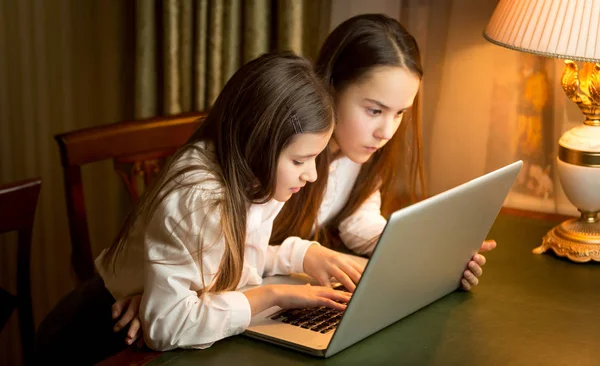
(578, 165)
(576, 239)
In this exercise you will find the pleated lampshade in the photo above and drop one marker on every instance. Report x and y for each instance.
(567, 29)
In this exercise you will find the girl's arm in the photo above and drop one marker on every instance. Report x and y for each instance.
(286, 258)
(174, 311)
(295, 255)
(360, 231)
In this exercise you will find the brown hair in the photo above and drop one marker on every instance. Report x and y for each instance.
(350, 52)
(258, 113)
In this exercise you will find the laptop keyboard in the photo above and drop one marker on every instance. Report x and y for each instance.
(321, 319)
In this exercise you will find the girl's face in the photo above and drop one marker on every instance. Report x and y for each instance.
(370, 111)
(297, 163)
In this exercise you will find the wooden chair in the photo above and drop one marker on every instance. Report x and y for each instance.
(138, 149)
(18, 202)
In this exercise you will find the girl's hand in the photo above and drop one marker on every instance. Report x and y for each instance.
(132, 304)
(474, 270)
(295, 296)
(322, 264)
(307, 296)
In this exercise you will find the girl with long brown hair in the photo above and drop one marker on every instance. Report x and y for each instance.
(202, 231)
(373, 67)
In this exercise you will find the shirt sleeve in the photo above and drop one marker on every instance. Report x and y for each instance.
(360, 231)
(175, 313)
(286, 258)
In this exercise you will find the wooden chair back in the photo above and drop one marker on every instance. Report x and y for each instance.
(18, 203)
(138, 149)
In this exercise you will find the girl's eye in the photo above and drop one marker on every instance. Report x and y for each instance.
(373, 112)
(296, 162)
(400, 114)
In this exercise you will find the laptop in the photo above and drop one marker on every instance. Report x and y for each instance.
(419, 258)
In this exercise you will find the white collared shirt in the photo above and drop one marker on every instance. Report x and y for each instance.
(173, 314)
(358, 230)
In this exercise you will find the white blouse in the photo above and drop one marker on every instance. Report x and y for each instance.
(173, 313)
(358, 230)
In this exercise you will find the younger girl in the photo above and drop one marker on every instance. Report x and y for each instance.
(201, 233)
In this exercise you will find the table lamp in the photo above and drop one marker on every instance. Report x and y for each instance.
(568, 30)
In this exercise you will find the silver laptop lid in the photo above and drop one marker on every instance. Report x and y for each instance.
(422, 253)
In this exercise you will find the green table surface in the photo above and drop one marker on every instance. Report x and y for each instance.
(528, 310)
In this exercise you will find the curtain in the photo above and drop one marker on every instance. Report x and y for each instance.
(187, 50)
(64, 65)
(70, 64)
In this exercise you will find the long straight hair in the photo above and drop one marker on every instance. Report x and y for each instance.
(258, 113)
(355, 48)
